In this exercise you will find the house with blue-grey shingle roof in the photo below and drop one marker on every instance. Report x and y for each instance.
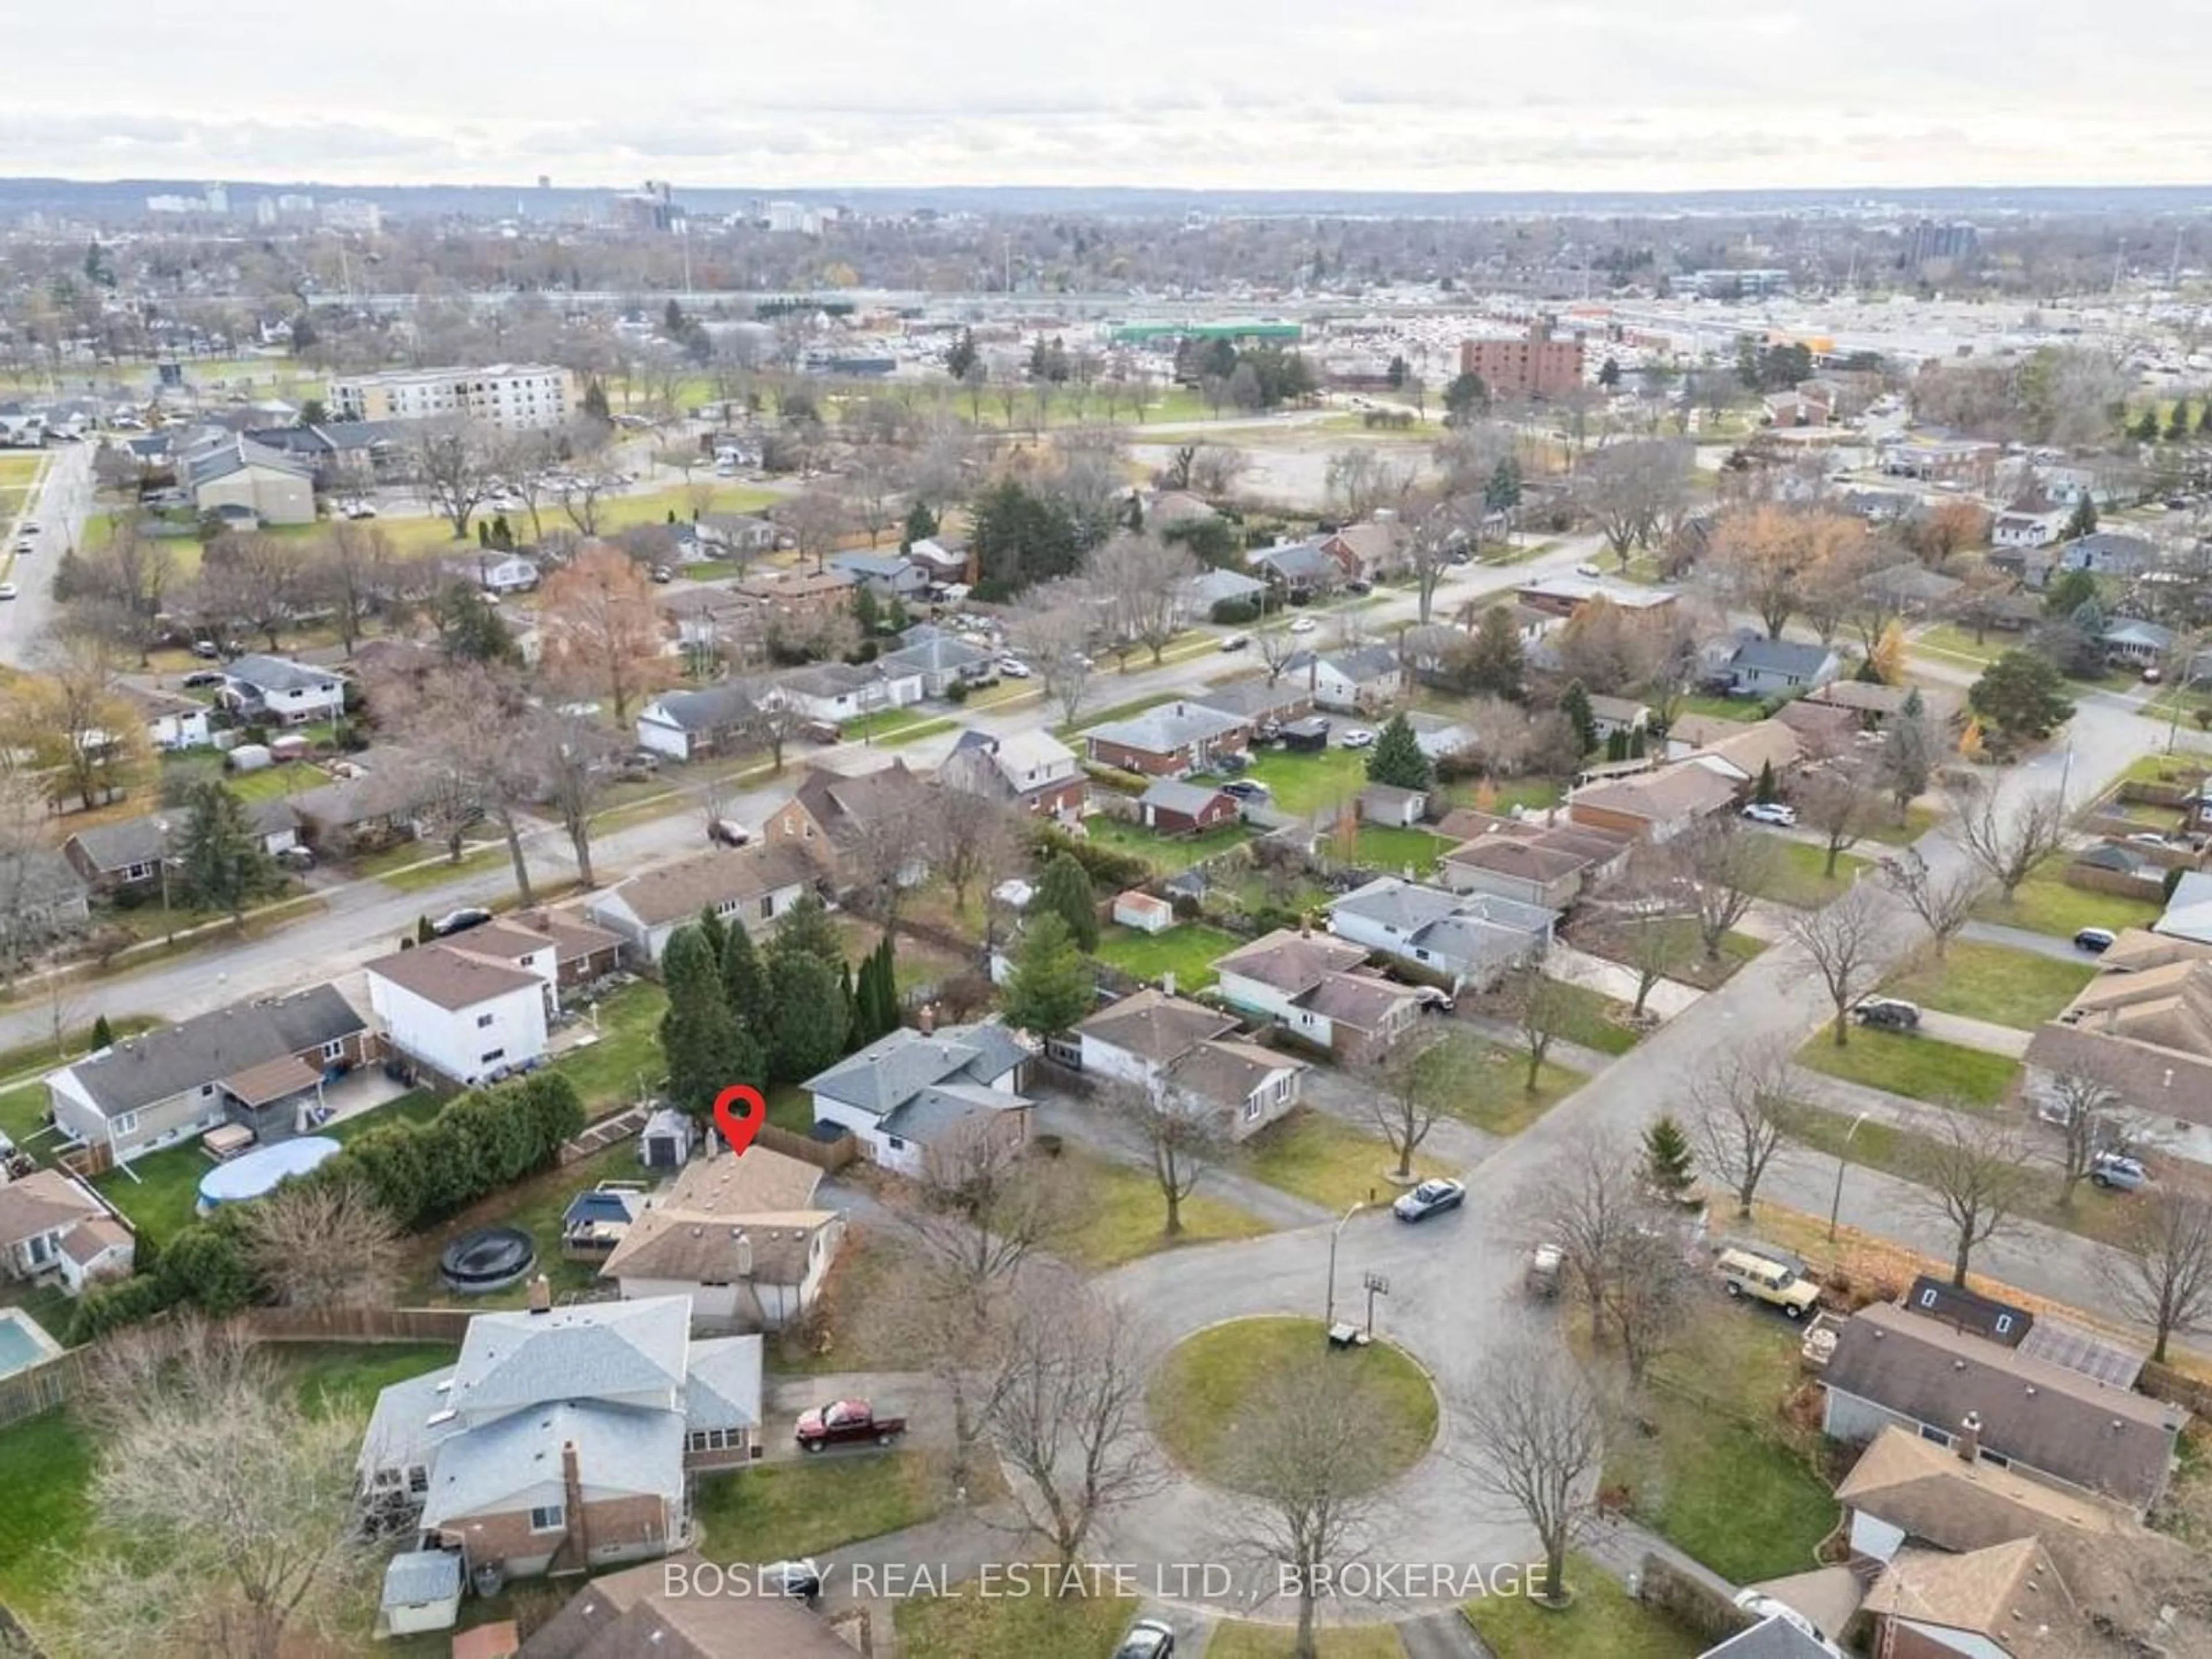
(914, 1090)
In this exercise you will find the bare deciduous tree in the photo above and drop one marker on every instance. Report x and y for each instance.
(1841, 945)
(968, 838)
(326, 1245)
(1541, 1008)
(2083, 1107)
(570, 756)
(773, 722)
(2007, 840)
(1836, 805)
(1593, 1200)
(1540, 1427)
(1052, 641)
(1631, 489)
(1141, 579)
(1944, 900)
(1740, 1109)
(1723, 870)
(1975, 1174)
(455, 461)
(1409, 1086)
(2162, 1275)
(1215, 469)
(1183, 1140)
(1276, 646)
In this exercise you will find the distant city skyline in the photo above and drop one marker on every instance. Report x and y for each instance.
(1421, 96)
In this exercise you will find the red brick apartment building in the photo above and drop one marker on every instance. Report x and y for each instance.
(1536, 366)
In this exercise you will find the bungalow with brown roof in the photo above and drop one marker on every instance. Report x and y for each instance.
(52, 1226)
(1531, 869)
(832, 814)
(2007, 1600)
(757, 884)
(1748, 751)
(1656, 806)
(1180, 1050)
(1311, 985)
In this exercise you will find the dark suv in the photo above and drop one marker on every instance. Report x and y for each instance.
(1888, 1014)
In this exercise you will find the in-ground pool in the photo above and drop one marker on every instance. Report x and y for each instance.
(488, 1259)
(23, 1343)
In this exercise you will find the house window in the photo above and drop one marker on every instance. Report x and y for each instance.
(418, 1479)
(1251, 1107)
(206, 1089)
(127, 1122)
(334, 1049)
(548, 1517)
(1928, 1432)
(767, 907)
(715, 1440)
(894, 1143)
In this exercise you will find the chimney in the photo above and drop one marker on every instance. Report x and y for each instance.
(1968, 1445)
(926, 1021)
(744, 1257)
(1167, 983)
(541, 1299)
(575, 1534)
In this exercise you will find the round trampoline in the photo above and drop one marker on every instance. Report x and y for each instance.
(488, 1259)
(256, 1174)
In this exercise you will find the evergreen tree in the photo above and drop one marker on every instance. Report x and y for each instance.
(1575, 706)
(1497, 663)
(920, 526)
(1765, 791)
(806, 930)
(881, 1001)
(712, 930)
(959, 358)
(2177, 424)
(855, 1035)
(864, 1029)
(424, 934)
(219, 854)
(2083, 522)
(2146, 427)
(1051, 986)
(595, 401)
(103, 1035)
(704, 1048)
(1064, 890)
(744, 982)
(2204, 417)
(811, 1016)
(1637, 744)
(1502, 492)
(1396, 757)
(1668, 1167)
(868, 611)
(1616, 745)
(1609, 374)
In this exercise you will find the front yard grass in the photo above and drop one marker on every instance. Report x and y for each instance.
(1324, 1160)
(1243, 1638)
(1188, 951)
(1924, 1067)
(1305, 783)
(1685, 949)
(1799, 877)
(1746, 709)
(967, 1624)
(2044, 903)
(1086, 718)
(1918, 821)
(1121, 1216)
(1500, 1102)
(779, 1511)
(1945, 640)
(1207, 1379)
(429, 867)
(1992, 982)
(1602, 1623)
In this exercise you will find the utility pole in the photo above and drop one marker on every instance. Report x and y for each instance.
(1376, 1284)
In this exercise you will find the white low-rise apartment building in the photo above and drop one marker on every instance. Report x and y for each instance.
(512, 397)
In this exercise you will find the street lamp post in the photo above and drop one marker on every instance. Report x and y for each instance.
(161, 828)
(1328, 1310)
(1836, 1204)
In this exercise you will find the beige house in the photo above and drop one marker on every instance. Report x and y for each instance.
(753, 884)
(245, 476)
(1311, 985)
(53, 1226)
(740, 1237)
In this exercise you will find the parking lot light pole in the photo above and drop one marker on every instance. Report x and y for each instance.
(1328, 1311)
(1836, 1204)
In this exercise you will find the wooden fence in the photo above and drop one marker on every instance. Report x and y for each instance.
(829, 1155)
(42, 1387)
(356, 1324)
(2164, 1382)
(2093, 879)
(1691, 1602)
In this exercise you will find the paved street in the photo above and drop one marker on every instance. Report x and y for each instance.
(60, 509)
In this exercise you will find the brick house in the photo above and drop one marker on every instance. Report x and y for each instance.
(1172, 807)
(1169, 741)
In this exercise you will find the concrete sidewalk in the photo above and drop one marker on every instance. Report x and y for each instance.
(2020, 939)
(1668, 998)
(1985, 1035)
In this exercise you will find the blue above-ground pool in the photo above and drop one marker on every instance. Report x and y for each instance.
(256, 1174)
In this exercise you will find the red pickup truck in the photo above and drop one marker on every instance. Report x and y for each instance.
(845, 1423)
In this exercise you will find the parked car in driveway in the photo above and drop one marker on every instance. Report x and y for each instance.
(1304, 625)
(1245, 789)
(1771, 812)
(460, 920)
(727, 832)
(2117, 1170)
(1430, 1198)
(844, 1422)
(1888, 1013)
(2095, 940)
(801, 1578)
(1013, 668)
(1775, 1283)
(1358, 737)
(1148, 1638)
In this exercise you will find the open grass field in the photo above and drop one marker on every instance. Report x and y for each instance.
(1310, 782)
(1188, 950)
(1922, 1068)
(1990, 982)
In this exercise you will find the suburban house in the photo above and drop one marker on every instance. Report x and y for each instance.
(1746, 753)
(563, 1439)
(2038, 527)
(1535, 870)
(53, 1226)
(798, 593)
(940, 659)
(946, 557)
(1655, 806)
(1257, 703)
(638, 1611)
(1201, 593)
(1312, 986)
(280, 690)
(912, 1091)
(1350, 679)
(2136, 643)
(707, 618)
(1877, 704)
(1437, 737)
(1167, 742)
(581, 952)
(1752, 665)
(374, 808)
(2146, 1036)
(2110, 552)
(832, 815)
(1370, 551)
(739, 533)
(1172, 807)
(741, 1237)
(1622, 714)
(1564, 596)
(1298, 570)
(1466, 938)
(1032, 769)
(236, 475)
(130, 854)
(253, 1063)
(1891, 1367)
(493, 570)
(463, 1016)
(889, 575)
(172, 721)
(755, 885)
(1182, 1051)
(1914, 1505)
(686, 725)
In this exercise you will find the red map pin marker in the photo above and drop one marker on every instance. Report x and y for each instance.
(738, 1112)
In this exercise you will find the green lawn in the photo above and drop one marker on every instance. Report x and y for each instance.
(778, 1512)
(1596, 1020)
(1121, 1216)
(1918, 821)
(1206, 1379)
(413, 867)
(1602, 1623)
(269, 783)
(610, 1072)
(967, 1624)
(1727, 1477)
(1166, 854)
(1798, 877)
(1305, 783)
(535, 1204)
(48, 1461)
(1498, 1098)
(347, 1376)
(1086, 718)
(1325, 1160)
(881, 723)
(1946, 640)
(22, 1113)
(1383, 846)
(1991, 982)
(19, 469)
(2046, 904)
(1188, 951)
(1720, 709)
(1920, 1067)
(1686, 951)
(916, 732)
(1242, 1638)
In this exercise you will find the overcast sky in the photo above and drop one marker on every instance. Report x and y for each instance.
(1402, 95)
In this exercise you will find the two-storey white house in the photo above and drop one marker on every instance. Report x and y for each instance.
(463, 1016)
(280, 691)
